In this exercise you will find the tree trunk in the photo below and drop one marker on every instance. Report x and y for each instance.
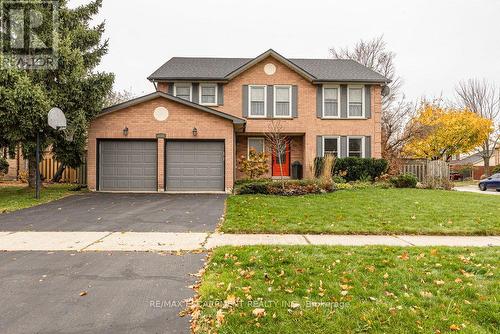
(486, 166)
(31, 172)
(58, 175)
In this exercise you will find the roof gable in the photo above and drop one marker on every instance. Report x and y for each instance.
(152, 96)
(275, 55)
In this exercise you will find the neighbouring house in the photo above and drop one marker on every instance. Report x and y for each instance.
(473, 165)
(207, 112)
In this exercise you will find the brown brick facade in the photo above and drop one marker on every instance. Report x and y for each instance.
(304, 128)
(306, 123)
(142, 125)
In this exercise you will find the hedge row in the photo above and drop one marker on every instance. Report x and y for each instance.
(285, 188)
(355, 169)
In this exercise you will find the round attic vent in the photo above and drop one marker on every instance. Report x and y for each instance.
(160, 114)
(270, 69)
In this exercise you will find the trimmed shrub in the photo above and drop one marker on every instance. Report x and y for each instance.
(437, 183)
(286, 188)
(355, 169)
(4, 166)
(407, 180)
(496, 169)
(253, 188)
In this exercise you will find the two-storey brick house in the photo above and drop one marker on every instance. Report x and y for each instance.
(207, 112)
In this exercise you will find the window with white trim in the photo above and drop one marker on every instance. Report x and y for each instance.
(256, 144)
(355, 147)
(331, 146)
(283, 101)
(355, 99)
(257, 100)
(183, 91)
(208, 94)
(331, 105)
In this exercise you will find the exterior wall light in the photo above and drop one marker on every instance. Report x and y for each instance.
(125, 131)
(195, 132)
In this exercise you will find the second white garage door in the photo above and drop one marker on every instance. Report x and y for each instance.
(194, 166)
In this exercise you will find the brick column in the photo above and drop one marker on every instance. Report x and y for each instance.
(161, 164)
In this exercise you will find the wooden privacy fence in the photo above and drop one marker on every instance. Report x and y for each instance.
(49, 166)
(424, 169)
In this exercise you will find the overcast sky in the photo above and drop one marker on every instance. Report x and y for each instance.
(437, 42)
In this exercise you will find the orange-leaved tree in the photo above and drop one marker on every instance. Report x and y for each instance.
(440, 133)
(255, 165)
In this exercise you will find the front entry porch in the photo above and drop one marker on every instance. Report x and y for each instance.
(280, 165)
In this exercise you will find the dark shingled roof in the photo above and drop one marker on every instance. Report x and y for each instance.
(182, 68)
(338, 70)
(470, 160)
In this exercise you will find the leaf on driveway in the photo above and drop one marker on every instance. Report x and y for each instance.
(83, 293)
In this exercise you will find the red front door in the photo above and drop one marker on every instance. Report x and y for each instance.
(285, 163)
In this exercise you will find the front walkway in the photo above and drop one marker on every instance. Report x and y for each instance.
(172, 242)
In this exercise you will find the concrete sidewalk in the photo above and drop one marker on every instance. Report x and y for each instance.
(171, 242)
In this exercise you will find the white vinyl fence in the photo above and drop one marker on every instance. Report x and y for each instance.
(424, 169)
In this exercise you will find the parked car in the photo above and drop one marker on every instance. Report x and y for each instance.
(492, 182)
(456, 176)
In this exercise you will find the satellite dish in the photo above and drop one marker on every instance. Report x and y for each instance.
(57, 120)
(386, 90)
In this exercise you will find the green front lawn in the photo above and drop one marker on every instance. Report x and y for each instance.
(366, 211)
(350, 290)
(19, 197)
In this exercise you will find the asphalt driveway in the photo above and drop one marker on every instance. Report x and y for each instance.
(125, 292)
(121, 212)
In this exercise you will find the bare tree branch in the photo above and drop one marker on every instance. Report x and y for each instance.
(396, 110)
(483, 98)
(278, 142)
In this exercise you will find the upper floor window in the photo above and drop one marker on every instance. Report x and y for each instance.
(355, 147)
(282, 101)
(257, 100)
(183, 91)
(331, 146)
(331, 105)
(208, 94)
(355, 101)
